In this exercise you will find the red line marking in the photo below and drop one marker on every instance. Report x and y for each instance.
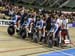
(25, 48)
(18, 49)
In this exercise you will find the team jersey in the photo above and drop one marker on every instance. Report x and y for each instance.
(29, 21)
(55, 25)
(64, 24)
(15, 18)
(59, 22)
(41, 24)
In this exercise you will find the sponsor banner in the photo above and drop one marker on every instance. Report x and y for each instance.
(73, 24)
(70, 25)
(4, 22)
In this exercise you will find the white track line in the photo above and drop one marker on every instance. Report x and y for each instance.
(66, 53)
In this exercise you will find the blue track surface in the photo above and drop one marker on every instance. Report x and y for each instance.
(69, 52)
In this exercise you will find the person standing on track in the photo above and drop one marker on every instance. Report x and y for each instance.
(65, 28)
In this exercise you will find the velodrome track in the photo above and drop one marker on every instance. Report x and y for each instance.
(14, 46)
